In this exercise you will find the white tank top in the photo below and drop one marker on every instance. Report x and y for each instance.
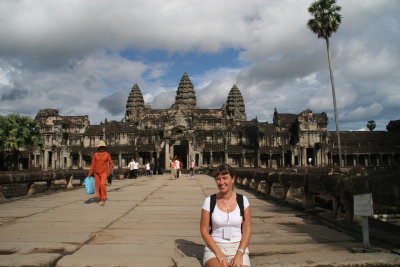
(221, 219)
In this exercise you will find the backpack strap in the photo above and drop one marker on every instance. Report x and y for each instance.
(213, 202)
(239, 200)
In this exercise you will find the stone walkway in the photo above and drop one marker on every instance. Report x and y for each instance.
(154, 221)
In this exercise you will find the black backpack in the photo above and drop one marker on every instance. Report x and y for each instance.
(213, 202)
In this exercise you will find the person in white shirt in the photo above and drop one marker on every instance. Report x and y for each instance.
(192, 166)
(148, 168)
(177, 167)
(135, 168)
(226, 243)
(130, 167)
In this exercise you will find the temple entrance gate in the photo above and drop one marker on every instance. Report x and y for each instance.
(181, 151)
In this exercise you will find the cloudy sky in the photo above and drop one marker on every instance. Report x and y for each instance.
(83, 57)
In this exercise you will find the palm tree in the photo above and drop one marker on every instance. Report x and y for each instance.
(325, 22)
(18, 132)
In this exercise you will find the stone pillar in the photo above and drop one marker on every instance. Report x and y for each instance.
(119, 160)
(243, 160)
(226, 157)
(156, 163)
(270, 160)
(326, 159)
(355, 160)
(167, 156)
(318, 158)
(52, 159)
(211, 159)
(34, 159)
(45, 159)
(80, 160)
(292, 158)
(201, 159)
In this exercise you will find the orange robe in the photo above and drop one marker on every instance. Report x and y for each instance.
(101, 166)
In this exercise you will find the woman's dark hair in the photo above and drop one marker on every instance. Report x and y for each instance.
(224, 169)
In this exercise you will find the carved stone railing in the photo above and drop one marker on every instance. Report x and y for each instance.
(27, 179)
(313, 186)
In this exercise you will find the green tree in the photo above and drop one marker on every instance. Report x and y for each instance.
(371, 125)
(18, 133)
(325, 22)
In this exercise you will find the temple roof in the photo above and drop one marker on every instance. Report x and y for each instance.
(135, 99)
(185, 95)
(235, 104)
(135, 104)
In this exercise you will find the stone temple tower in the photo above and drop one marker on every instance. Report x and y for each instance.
(134, 105)
(235, 108)
(185, 95)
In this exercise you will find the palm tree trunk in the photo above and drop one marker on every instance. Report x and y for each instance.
(334, 101)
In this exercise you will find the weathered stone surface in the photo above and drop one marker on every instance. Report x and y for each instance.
(155, 222)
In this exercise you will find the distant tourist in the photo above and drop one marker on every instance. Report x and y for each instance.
(131, 172)
(148, 168)
(228, 232)
(135, 169)
(101, 166)
(151, 168)
(177, 168)
(109, 179)
(173, 170)
(192, 166)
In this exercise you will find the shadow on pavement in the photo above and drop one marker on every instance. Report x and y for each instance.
(190, 249)
(91, 200)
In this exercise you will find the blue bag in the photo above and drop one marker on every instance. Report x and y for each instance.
(90, 186)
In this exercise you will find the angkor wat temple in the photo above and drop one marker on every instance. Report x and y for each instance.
(210, 136)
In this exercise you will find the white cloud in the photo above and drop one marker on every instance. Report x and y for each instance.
(67, 54)
(364, 112)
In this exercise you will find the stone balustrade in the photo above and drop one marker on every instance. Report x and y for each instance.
(19, 183)
(27, 179)
(331, 188)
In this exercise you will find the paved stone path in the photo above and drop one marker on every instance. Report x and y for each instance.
(154, 221)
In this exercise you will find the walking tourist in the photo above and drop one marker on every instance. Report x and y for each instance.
(151, 168)
(148, 168)
(177, 167)
(101, 166)
(131, 172)
(109, 179)
(225, 223)
(173, 170)
(135, 168)
(192, 166)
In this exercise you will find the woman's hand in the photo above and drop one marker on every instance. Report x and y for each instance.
(237, 261)
(222, 259)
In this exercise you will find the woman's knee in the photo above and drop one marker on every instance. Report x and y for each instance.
(213, 262)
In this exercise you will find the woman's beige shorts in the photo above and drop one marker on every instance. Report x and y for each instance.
(229, 249)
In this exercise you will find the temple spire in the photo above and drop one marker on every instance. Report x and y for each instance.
(135, 104)
(185, 95)
(235, 105)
